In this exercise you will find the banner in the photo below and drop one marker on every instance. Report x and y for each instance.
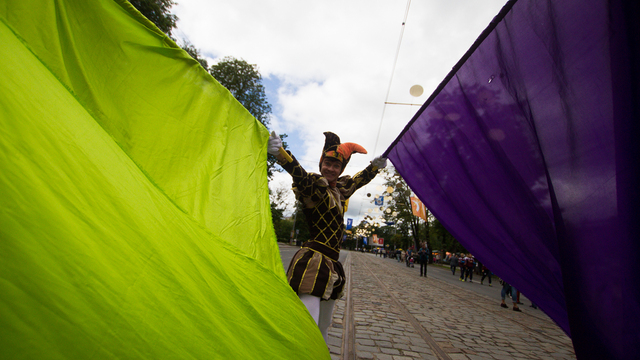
(379, 201)
(527, 153)
(418, 209)
(122, 169)
(349, 224)
(377, 241)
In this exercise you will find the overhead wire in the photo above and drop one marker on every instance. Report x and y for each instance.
(393, 70)
(485, 33)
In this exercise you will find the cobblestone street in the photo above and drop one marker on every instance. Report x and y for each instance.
(392, 313)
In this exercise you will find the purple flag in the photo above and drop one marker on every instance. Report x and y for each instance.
(527, 154)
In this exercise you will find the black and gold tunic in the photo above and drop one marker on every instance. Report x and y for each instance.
(315, 268)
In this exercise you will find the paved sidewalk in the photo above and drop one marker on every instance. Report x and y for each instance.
(392, 313)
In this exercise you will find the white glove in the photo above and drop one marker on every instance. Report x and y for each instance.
(379, 162)
(275, 143)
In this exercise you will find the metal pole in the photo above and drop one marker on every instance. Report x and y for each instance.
(293, 230)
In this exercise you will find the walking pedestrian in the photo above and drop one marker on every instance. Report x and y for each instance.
(506, 289)
(485, 273)
(453, 263)
(462, 263)
(469, 264)
(424, 259)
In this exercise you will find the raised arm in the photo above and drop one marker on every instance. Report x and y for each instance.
(303, 181)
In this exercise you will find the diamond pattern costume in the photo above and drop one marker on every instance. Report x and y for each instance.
(315, 268)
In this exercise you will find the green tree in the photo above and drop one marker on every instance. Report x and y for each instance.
(244, 82)
(399, 208)
(301, 226)
(447, 242)
(195, 53)
(411, 226)
(281, 225)
(158, 12)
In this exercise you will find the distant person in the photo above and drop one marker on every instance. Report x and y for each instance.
(506, 289)
(485, 273)
(462, 263)
(409, 258)
(470, 265)
(424, 259)
(453, 263)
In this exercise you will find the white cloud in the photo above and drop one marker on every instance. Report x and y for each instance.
(334, 59)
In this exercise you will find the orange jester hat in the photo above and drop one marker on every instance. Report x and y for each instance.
(341, 152)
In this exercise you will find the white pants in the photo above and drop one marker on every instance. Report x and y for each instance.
(321, 312)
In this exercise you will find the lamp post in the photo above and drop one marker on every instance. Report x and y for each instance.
(293, 229)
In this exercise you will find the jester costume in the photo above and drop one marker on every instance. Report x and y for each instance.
(315, 268)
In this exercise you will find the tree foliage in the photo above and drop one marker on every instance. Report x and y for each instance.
(194, 53)
(400, 204)
(442, 239)
(409, 226)
(158, 12)
(279, 205)
(244, 82)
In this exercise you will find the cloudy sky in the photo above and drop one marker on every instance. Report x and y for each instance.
(329, 65)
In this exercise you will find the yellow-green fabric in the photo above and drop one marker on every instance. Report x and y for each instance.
(134, 209)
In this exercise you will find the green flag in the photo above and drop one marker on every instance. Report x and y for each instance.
(134, 208)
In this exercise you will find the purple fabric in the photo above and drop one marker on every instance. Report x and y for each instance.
(528, 157)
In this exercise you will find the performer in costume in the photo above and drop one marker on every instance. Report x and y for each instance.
(315, 273)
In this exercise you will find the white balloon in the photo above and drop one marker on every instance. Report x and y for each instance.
(416, 90)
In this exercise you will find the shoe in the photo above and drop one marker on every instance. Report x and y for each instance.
(490, 285)
(470, 280)
(504, 306)
(517, 309)
(481, 283)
